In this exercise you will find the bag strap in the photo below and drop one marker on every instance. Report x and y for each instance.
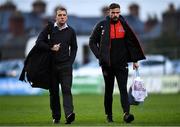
(137, 72)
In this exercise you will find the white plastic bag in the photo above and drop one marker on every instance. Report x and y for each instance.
(137, 92)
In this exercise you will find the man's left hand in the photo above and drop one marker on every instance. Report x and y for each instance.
(135, 65)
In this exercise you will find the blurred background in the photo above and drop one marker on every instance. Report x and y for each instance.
(156, 24)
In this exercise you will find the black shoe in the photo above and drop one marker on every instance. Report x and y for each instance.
(109, 119)
(56, 121)
(128, 118)
(70, 118)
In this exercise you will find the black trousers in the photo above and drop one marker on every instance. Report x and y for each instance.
(121, 74)
(64, 77)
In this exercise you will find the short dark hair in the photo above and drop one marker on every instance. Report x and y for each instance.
(60, 8)
(114, 5)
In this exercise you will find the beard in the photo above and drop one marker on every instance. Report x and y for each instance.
(115, 19)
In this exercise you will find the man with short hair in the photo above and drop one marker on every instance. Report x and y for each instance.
(63, 47)
(114, 44)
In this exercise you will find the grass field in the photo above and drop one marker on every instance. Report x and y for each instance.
(34, 110)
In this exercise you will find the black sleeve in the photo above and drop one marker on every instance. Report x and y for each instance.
(134, 47)
(42, 40)
(94, 40)
(73, 47)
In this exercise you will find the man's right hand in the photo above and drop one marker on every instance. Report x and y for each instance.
(56, 47)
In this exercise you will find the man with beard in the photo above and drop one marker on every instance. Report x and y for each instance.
(114, 44)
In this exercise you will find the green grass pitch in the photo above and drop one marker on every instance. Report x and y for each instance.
(34, 111)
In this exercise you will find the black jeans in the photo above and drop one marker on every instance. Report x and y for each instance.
(121, 74)
(64, 77)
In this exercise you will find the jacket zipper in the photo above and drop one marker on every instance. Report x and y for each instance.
(114, 31)
(110, 46)
(110, 53)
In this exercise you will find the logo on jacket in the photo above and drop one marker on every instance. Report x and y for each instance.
(102, 32)
(121, 29)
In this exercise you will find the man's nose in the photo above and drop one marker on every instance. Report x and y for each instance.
(116, 15)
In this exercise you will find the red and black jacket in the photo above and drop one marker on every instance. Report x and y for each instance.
(99, 42)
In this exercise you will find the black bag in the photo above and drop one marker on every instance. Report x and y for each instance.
(37, 67)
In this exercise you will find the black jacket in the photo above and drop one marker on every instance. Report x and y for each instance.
(99, 42)
(37, 65)
(37, 69)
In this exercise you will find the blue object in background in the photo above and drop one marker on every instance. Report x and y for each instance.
(12, 86)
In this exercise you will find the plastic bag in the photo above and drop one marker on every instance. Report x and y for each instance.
(137, 91)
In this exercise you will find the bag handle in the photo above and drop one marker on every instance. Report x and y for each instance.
(137, 72)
